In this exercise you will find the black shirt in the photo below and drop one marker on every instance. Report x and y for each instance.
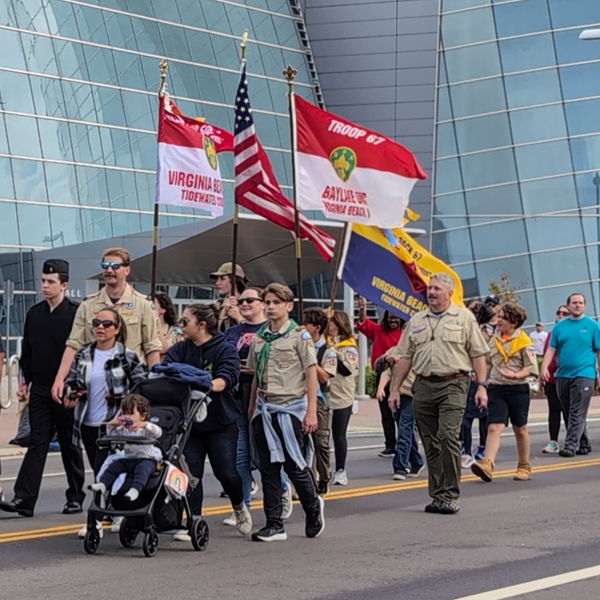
(44, 337)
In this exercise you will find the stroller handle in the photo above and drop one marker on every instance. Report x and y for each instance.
(107, 440)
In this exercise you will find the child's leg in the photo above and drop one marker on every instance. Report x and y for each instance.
(112, 472)
(467, 435)
(142, 472)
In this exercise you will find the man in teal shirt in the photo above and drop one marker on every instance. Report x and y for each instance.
(577, 342)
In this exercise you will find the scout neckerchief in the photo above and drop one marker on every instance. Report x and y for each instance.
(516, 345)
(342, 344)
(269, 337)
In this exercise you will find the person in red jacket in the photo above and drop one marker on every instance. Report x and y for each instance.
(555, 408)
(384, 336)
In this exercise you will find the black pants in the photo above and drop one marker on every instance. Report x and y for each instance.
(339, 431)
(555, 410)
(46, 417)
(270, 473)
(388, 423)
(141, 469)
(96, 456)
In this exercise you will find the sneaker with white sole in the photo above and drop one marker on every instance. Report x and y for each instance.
(466, 461)
(81, 533)
(400, 476)
(286, 503)
(230, 520)
(270, 534)
(182, 536)
(254, 488)
(243, 520)
(551, 448)
(415, 473)
(116, 524)
(340, 477)
(315, 522)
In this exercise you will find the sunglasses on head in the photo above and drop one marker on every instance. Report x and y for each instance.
(248, 300)
(562, 313)
(107, 264)
(106, 323)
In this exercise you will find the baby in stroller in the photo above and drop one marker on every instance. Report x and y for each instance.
(140, 461)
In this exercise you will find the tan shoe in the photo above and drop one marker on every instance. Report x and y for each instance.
(484, 469)
(523, 472)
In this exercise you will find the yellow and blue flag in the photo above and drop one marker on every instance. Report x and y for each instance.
(391, 269)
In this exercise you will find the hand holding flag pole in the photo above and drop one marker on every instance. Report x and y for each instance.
(290, 74)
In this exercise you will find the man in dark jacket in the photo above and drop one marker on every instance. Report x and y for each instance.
(47, 327)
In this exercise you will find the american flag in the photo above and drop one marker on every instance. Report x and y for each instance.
(256, 187)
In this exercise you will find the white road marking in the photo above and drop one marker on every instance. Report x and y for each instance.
(536, 585)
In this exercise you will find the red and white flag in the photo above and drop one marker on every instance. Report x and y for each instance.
(188, 171)
(349, 172)
(255, 185)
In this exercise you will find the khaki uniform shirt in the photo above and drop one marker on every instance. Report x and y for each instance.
(137, 312)
(283, 375)
(442, 345)
(342, 388)
(523, 359)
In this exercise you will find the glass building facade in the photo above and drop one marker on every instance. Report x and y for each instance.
(517, 156)
(78, 105)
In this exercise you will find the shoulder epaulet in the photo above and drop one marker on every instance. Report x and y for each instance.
(91, 296)
(300, 328)
(71, 301)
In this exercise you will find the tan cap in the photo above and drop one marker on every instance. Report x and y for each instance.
(225, 269)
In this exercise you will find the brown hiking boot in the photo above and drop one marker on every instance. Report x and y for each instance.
(523, 472)
(484, 469)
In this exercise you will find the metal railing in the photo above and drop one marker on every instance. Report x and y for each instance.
(10, 363)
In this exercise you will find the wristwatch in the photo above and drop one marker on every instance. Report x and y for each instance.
(482, 383)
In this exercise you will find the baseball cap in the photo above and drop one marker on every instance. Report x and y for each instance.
(225, 269)
(492, 300)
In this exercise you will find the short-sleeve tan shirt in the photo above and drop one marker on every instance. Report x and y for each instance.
(523, 359)
(137, 312)
(342, 388)
(283, 377)
(442, 345)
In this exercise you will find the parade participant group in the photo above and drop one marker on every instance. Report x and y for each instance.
(283, 391)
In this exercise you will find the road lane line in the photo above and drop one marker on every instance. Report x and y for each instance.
(536, 585)
(361, 492)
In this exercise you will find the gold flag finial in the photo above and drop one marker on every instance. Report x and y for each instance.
(244, 43)
(290, 73)
(162, 67)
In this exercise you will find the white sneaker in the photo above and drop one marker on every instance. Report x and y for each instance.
(466, 461)
(116, 524)
(182, 536)
(340, 477)
(81, 533)
(243, 520)
(286, 503)
(254, 489)
(230, 521)
(551, 448)
(399, 476)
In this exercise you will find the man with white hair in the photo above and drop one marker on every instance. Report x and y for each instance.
(441, 345)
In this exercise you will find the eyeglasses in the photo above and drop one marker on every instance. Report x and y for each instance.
(184, 321)
(115, 266)
(106, 323)
(248, 300)
(562, 313)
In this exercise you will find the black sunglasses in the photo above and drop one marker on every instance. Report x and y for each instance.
(115, 266)
(248, 300)
(106, 323)
(562, 313)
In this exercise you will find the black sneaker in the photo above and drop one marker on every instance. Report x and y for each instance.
(315, 522)
(270, 534)
(449, 507)
(72, 508)
(387, 453)
(566, 452)
(434, 506)
(16, 506)
(583, 450)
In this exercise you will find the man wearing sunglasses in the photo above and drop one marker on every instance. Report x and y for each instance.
(137, 312)
(47, 327)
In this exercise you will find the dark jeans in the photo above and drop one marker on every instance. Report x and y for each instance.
(141, 469)
(221, 449)
(555, 410)
(45, 417)
(472, 412)
(96, 456)
(407, 457)
(339, 433)
(270, 473)
(575, 396)
(388, 423)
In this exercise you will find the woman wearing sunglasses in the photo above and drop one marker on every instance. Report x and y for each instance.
(216, 436)
(555, 408)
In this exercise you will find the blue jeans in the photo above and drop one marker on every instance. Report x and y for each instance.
(243, 461)
(221, 449)
(407, 457)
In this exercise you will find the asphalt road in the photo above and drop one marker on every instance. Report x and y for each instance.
(378, 543)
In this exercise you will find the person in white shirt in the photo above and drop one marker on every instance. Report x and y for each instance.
(538, 337)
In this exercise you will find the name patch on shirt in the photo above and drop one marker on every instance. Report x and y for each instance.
(420, 328)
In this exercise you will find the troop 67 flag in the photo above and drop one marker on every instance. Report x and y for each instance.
(349, 172)
(188, 171)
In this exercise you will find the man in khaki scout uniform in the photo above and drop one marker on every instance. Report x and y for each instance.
(441, 344)
(283, 413)
(137, 312)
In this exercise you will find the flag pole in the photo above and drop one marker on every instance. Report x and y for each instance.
(290, 74)
(163, 66)
(236, 205)
(338, 262)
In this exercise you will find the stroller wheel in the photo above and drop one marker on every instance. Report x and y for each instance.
(127, 536)
(91, 541)
(150, 543)
(199, 534)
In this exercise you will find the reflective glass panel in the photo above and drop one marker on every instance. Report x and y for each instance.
(524, 53)
(473, 62)
(66, 226)
(550, 267)
(445, 140)
(492, 131)
(55, 139)
(517, 18)
(468, 27)
(582, 117)
(34, 222)
(528, 89)
(15, 92)
(503, 199)
(540, 160)
(549, 195)
(23, 136)
(566, 230)
(62, 185)
(8, 218)
(586, 153)
(447, 176)
(573, 12)
(534, 124)
(580, 81)
(488, 168)
(478, 97)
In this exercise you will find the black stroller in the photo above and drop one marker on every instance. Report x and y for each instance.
(157, 509)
